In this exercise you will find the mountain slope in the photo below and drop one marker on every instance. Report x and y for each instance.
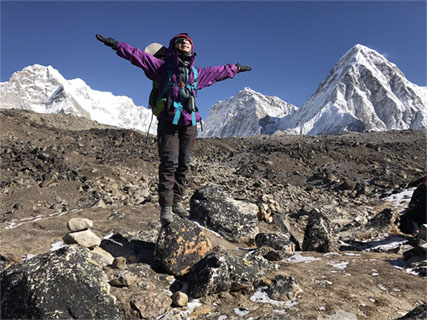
(248, 113)
(44, 90)
(363, 92)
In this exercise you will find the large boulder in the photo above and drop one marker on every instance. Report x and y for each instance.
(180, 245)
(219, 272)
(64, 284)
(235, 220)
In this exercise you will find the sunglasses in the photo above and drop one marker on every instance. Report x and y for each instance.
(182, 41)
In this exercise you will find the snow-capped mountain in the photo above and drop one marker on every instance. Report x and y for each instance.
(363, 92)
(43, 89)
(248, 113)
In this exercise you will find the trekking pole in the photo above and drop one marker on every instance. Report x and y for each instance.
(149, 126)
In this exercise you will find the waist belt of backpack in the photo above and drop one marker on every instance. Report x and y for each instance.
(178, 105)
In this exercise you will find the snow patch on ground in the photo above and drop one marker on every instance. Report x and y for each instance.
(402, 198)
(339, 265)
(261, 296)
(297, 258)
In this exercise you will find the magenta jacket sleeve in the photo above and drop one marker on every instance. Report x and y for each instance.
(210, 75)
(141, 59)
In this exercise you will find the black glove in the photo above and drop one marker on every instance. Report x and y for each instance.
(110, 42)
(243, 68)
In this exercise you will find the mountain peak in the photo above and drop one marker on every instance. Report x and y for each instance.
(360, 47)
(43, 89)
(247, 90)
(361, 54)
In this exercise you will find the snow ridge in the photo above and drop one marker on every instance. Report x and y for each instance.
(44, 90)
(363, 92)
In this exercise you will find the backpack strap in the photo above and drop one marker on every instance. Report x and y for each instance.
(178, 105)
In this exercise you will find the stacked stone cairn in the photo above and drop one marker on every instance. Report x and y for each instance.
(81, 234)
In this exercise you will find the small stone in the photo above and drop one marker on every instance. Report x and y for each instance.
(79, 224)
(133, 259)
(119, 263)
(152, 304)
(125, 279)
(179, 299)
(102, 256)
(84, 238)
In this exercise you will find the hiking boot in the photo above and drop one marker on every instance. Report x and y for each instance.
(179, 209)
(166, 215)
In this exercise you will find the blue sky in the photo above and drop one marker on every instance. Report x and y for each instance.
(291, 45)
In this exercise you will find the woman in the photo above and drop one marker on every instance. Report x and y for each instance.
(176, 131)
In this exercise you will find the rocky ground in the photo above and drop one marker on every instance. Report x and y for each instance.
(58, 167)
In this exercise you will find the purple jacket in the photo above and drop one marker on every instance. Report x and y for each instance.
(156, 69)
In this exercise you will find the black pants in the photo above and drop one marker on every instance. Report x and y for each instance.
(175, 144)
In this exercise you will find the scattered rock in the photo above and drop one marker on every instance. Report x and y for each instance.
(101, 256)
(84, 238)
(274, 240)
(152, 304)
(179, 299)
(123, 278)
(119, 263)
(219, 273)
(79, 224)
(318, 235)
(283, 287)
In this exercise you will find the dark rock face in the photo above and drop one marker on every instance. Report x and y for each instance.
(64, 284)
(218, 273)
(383, 220)
(317, 235)
(273, 240)
(233, 219)
(418, 313)
(180, 245)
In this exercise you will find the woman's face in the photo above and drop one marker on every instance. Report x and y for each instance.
(183, 44)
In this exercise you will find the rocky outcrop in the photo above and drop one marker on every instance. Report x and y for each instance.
(64, 284)
(418, 313)
(235, 220)
(416, 258)
(220, 273)
(278, 241)
(318, 235)
(180, 245)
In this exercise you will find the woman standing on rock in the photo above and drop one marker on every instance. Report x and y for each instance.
(177, 120)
